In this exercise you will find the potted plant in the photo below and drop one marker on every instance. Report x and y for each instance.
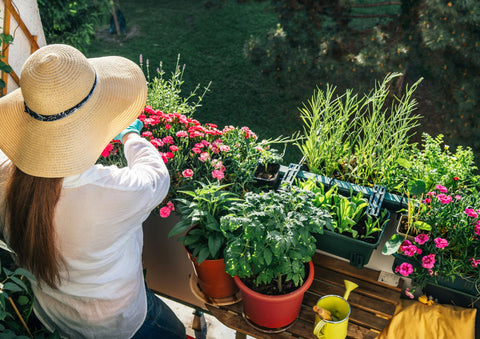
(204, 241)
(354, 234)
(269, 248)
(358, 139)
(448, 254)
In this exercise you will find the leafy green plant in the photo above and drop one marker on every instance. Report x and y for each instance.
(270, 236)
(348, 212)
(4, 41)
(201, 213)
(71, 22)
(16, 300)
(375, 225)
(433, 163)
(358, 139)
(166, 94)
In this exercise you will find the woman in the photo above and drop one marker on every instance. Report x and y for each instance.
(75, 225)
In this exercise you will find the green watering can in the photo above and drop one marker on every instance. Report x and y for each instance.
(334, 311)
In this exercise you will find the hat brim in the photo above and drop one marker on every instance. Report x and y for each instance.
(71, 145)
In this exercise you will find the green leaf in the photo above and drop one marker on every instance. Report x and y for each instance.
(268, 256)
(404, 163)
(421, 225)
(180, 227)
(392, 245)
(215, 242)
(23, 300)
(202, 255)
(417, 187)
(10, 286)
(19, 282)
(5, 247)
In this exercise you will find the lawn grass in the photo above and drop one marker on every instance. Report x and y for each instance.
(210, 42)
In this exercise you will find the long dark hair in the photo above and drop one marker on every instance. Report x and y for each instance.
(30, 204)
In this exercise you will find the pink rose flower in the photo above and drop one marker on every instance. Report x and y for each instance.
(422, 239)
(428, 261)
(441, 243)
(188, 173)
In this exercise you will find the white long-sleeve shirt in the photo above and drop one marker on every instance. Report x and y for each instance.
(98, 222)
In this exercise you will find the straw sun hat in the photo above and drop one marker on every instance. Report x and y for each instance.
(67, 109)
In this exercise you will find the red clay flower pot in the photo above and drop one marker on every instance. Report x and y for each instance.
(212, 278)
(273, 311)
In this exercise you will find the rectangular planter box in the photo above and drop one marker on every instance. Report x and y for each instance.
(355, 250)
(392, 202)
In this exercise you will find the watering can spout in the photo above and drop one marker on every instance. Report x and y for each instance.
(349, 287)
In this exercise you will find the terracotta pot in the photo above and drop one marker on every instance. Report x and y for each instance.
(213, 279)
(273, 311)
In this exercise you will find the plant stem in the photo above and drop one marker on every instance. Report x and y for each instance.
(20, 316)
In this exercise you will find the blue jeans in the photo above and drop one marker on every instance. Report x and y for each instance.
(160, 322)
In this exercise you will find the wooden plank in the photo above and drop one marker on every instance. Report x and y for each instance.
(6, 31)
(344, 267)
(368, 288)
(30, 37)
(374, 305)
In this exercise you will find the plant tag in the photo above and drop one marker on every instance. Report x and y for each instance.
(389, 278)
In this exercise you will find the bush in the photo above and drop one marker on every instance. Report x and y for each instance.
(71, 22)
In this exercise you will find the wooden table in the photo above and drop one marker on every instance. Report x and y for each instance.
(373, 303)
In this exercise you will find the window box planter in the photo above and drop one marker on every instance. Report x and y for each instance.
(358, 251)
(392, 202)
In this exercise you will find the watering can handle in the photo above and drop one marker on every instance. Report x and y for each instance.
(318, 328)
(349, 287)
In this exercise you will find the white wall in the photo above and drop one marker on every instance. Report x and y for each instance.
(19, 50)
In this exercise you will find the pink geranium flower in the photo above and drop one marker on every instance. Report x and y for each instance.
(441, 188)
